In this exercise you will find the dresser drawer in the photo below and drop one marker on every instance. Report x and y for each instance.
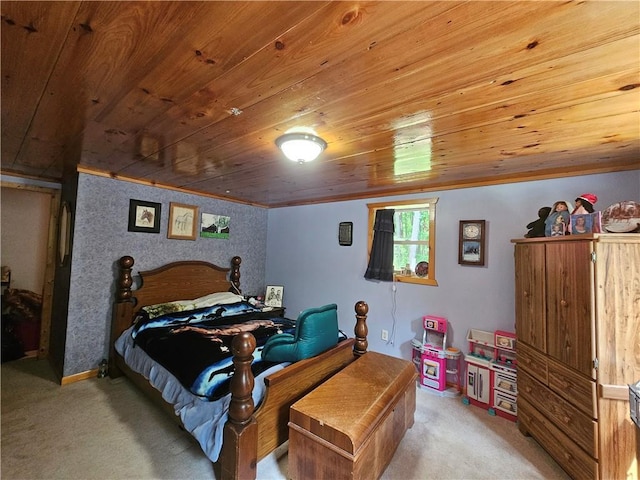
(564, 451)
(574, 387)
(532, 361)
(573, 423)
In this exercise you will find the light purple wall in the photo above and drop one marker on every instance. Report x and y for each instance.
(303, 255)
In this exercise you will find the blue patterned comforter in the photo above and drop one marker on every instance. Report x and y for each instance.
(195, 345)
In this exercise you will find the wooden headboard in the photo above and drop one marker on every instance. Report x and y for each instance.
(184, 280)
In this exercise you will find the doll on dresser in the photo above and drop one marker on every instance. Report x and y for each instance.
(584, 204)
(557, 222)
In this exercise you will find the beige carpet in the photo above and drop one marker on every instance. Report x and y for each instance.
(103, 429)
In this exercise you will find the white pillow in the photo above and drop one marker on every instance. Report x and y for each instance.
(218, 298)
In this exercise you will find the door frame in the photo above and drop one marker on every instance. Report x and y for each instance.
(50, 267)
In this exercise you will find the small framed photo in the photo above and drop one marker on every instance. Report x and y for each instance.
(273, 296)
(596, 221)
(471, 242)
(144, 216)
(183, 223)
(581, 223)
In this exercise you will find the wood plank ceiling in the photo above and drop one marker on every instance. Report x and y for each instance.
(410, 96)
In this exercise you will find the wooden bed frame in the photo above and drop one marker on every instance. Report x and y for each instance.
(250, 434)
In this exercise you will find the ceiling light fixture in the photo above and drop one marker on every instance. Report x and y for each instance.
(301, 147)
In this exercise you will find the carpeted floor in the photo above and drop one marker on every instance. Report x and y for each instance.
(106, 429)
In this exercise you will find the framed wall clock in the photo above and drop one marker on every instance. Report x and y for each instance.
(472, 242)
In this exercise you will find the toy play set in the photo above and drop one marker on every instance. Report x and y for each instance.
(439, 366)
(491, 381)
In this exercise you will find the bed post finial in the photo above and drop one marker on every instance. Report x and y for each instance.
(361, 330)
(239, 456)
(125, 280)
(241, 406)
(122, 309)
(234, 276)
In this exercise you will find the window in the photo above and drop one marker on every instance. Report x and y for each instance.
(414, 239)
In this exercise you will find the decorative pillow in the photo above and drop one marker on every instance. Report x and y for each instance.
(218, 298)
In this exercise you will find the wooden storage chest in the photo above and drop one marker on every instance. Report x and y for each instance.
(350, 426)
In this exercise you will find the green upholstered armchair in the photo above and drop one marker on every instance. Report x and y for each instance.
(316, 331)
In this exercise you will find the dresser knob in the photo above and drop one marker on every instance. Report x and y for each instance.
(564, 303)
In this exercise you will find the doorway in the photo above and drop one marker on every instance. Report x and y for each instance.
(29, 224)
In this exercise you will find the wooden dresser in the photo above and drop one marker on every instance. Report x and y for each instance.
(350, 426)
(578, 345)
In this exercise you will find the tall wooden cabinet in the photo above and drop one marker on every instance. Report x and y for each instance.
(578, 345)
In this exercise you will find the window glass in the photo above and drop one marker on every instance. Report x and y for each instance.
(414, 239)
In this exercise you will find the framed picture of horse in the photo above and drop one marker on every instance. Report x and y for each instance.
(144, 216)
(183, 223)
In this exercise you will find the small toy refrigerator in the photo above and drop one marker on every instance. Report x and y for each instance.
(438, 366)
(491, 381)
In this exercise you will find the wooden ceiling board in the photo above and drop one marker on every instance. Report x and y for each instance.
(36, 31)
(351, 120)
(109, 52)
(299, 53)
(410, 96)
(208, 132)
(206, 53)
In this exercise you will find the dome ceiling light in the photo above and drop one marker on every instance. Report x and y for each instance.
(300, 146)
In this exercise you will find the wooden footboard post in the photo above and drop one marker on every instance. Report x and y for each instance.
(361, 330)
(122, 309)
(239, 456)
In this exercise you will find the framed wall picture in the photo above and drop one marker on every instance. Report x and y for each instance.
(345, 233)
(273, 296)
(581, 223)
(472, 242)
(214, 226)
(183, 223)
(144, 216)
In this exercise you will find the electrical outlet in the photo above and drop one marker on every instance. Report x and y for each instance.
(385, 335)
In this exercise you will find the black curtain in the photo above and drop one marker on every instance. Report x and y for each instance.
(381, 259)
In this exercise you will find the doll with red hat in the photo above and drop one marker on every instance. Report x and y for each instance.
(584, 204)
